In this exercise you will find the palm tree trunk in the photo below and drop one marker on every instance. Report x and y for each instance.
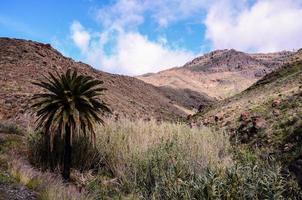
(67, 155)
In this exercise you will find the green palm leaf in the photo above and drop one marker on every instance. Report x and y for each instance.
(70, 104)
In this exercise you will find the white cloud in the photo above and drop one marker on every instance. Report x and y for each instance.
(80, 36)
(268, 25)
(119, 47)
(135, 54)
(166, 12)
(132, 53)
(121, 15)
(125, 13)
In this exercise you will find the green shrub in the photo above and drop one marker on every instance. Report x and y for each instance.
(84, 155)
(164, 174)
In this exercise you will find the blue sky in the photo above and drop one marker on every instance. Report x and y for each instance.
(139, 36)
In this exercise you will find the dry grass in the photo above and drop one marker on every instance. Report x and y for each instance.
(151, 160)
(125, 142)
(47, 185)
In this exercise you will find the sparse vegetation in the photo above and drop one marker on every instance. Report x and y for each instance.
(9, 127)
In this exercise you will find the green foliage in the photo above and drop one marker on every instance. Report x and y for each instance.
(176, 162)
(162, 175)
(68, 109)
(71, 103)
(84, 156)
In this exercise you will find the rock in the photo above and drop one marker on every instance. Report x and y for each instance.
(201, 107)
(276, 112)
(258, 122)
(218, 117)
(244, 116)
(276, 103)
(15, 192)
(206, 121)
(189, 117)
(227, 123)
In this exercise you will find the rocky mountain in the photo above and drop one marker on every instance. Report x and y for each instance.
(219, 74)
(22, 62)
(267, 117)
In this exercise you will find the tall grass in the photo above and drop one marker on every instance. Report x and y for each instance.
(151, 160)
(126, 143)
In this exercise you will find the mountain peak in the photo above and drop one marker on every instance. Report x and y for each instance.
(220, 73)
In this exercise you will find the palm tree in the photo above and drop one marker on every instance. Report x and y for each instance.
(69, 106)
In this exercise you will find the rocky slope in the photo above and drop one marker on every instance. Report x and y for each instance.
(267, 117)
(219, 74)
(24, 61)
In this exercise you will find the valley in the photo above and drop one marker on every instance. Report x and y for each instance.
(226, 125)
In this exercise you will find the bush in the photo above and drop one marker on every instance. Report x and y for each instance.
(84, 155)
(166, 175)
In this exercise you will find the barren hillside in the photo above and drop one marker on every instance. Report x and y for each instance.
(219, 74)
(23, 61)
(267, 117)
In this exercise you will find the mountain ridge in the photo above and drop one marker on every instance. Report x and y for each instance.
(221, 73)
(23, 61)
(266, 117)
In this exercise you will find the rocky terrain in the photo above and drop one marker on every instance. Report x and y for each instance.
(9, 191)
(263, 118)
(221, 73)
(267, 117)
(22, 62)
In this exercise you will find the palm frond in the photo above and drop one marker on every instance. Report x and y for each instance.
(69, 100)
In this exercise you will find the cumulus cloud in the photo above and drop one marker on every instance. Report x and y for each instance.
(267, 25)
(130, 12)
(123, 14)
(80, 36)
(165, 12)
(132, 52)
(136, 54)
(119, 46)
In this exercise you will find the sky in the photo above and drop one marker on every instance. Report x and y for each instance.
(134, 37)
